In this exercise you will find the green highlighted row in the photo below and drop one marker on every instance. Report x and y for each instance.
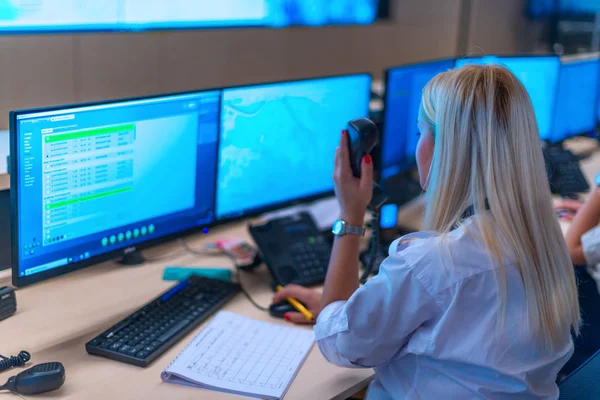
(86, 198)
(89, 132)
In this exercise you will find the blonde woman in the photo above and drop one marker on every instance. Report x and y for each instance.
(483, 303)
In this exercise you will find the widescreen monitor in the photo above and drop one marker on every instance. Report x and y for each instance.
(94, 182)
(138, 15)
(277, 141)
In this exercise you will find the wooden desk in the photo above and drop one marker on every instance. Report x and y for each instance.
(57, 317)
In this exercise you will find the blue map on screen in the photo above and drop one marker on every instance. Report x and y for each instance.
(278, 141)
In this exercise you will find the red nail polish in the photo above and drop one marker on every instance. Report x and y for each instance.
(344, 132)
(368, 159)
(286, 317)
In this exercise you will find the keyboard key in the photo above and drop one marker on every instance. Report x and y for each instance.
(132, 351)
(116, 346)
(171, 332)
(124, 349)
(142, 354)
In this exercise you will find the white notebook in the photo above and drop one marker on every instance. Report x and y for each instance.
(239, 355)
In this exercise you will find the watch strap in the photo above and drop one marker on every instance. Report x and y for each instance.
(353, 229)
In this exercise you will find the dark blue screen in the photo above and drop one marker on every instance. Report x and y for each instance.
(404, 89)
(576, 99)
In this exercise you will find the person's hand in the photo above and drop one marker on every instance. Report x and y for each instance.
(310, 298)
(353, 194)
(566, 209)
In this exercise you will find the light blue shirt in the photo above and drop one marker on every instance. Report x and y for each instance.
(427, 324)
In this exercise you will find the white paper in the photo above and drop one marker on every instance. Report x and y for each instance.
(324, 212)
(240, 355)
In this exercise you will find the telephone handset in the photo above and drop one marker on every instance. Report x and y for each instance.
(363, 136)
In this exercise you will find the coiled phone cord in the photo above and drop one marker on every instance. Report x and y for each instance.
(14, 361)
(374, 247)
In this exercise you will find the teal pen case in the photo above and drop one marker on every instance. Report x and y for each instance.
(183, 273)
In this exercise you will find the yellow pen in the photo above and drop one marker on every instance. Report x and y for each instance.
(297, 305)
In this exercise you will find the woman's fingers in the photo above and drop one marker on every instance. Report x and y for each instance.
(366, 177)
(297, 318)
(300, 293)
(344, 167)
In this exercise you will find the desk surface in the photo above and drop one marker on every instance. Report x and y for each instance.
(57, 317)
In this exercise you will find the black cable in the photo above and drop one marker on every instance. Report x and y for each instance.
(14, 361)
(245, 292)
(168, 255)
(187, 247)
(374, 247)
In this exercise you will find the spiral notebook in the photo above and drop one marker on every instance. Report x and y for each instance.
(239, 355)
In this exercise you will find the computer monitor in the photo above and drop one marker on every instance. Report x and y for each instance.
(575, 111)
(277, 141)
(404, 87)
(539, 75)
(94, 182)
(578, 7)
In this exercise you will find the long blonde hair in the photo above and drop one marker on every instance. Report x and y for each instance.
(487, 154)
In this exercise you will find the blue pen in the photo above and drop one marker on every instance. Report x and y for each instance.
(176, 289)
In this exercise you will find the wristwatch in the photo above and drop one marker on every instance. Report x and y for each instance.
(341, 228)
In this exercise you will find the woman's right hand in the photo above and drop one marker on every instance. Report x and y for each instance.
(566, 209)
(310, 298)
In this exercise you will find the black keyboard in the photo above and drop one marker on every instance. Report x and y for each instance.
(147, 333)
(568, 179)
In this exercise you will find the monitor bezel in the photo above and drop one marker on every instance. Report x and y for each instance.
(288, 203)
(14, 196)
(411, 163)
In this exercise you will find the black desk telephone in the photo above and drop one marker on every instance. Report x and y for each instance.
(293, 248)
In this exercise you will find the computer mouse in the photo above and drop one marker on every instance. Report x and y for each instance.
(278, 310)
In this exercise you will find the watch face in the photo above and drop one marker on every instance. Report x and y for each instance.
(337, 227)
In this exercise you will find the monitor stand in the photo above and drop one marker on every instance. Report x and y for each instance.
(133, 258)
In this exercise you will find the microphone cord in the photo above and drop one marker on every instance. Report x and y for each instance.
(14, 361)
